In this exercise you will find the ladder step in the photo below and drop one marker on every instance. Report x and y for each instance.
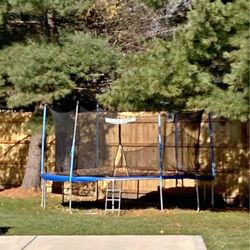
(117, 199)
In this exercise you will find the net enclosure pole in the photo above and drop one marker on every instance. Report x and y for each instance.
(72, 155)
(176, 138)
(211, 135)
(160, 146)
(43, 138)
(43, 182)
(97, 150)
(197, 194)
(97, 134)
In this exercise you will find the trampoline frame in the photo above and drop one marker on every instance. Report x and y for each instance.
(84, 179)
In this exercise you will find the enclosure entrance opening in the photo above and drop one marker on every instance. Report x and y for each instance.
(120, 163)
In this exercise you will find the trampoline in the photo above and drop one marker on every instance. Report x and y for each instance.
(104, 146)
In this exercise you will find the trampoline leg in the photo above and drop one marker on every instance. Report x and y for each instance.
(45, 195)
(113, 196)
(138, 189)
(63, 192)
(97, 191)
(204, 192)
(70, 198)
(197, 195)
(42, 193)
(161, 194)
(106, 200)
(212, 194)
(43, 203)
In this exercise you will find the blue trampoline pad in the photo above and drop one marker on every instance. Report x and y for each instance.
(66, 178)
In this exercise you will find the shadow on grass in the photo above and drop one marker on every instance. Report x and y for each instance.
(4, 230)
(179, 197)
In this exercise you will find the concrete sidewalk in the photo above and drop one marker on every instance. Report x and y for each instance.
(111, 242)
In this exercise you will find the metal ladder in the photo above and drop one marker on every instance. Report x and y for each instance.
(113, 196)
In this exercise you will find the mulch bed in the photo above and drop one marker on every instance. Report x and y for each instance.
(19, 193)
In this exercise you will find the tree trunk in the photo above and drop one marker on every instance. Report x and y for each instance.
(49, 23)
(31, 178)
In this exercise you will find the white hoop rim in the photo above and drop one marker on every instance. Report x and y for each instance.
(120, 121)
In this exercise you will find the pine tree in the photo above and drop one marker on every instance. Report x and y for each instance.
(38, 73)
(157, 79)
(205, 66)
(217, 42)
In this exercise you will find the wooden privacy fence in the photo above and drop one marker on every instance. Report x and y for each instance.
(231, 151)
(14, 143)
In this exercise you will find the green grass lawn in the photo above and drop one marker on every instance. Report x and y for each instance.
(219, 229)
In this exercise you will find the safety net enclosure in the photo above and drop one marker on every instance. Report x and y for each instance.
(64, 131)
(103, 144)
(98, 146)
(107, 144)
(182, 134)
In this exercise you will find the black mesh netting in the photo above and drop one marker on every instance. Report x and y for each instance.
(103, 149)
(181, 143)
(64, 127)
